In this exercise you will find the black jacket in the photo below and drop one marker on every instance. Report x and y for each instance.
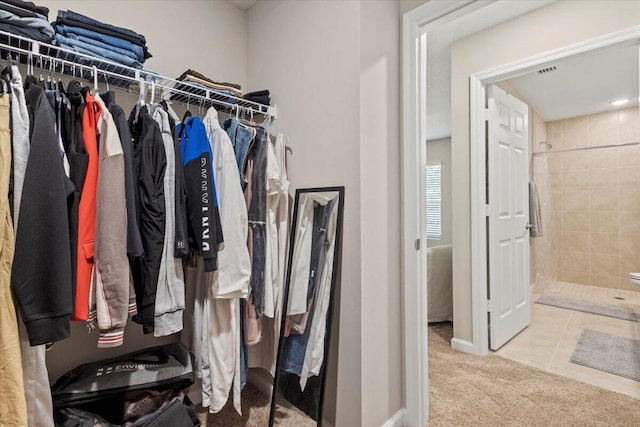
(78, 161)
(41, 273)
(150, 163)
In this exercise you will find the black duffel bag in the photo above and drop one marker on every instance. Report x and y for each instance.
(146, 388)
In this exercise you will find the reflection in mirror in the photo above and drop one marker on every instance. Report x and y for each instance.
(314, 253)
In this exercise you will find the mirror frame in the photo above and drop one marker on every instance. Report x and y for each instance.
(336, 263)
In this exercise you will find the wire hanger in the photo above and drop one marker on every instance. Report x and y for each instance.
(106, 80)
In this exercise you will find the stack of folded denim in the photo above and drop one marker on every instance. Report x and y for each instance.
(25, 19)
(85, 35)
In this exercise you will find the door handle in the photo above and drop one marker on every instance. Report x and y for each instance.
(529, 226)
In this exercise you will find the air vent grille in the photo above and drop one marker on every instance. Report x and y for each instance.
(547, 70)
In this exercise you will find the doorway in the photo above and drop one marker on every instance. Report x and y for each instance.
(585, 164)
(470, 310)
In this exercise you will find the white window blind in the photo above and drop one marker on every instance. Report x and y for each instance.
(434, 201)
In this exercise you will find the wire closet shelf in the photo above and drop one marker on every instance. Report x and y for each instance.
(57, 60)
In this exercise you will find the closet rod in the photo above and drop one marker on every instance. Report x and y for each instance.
(79, 65)
(596, 147)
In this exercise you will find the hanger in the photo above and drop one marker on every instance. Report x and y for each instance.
(96, 89)
(166, 97)
(153, 91)
(106, 79)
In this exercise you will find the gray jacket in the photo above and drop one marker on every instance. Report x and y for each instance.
(111, 262)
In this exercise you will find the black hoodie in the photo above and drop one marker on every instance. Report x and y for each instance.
(41, 274)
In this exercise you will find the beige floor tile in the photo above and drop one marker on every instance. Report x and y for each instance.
(561, 365)
(554, 332)
(536, 344)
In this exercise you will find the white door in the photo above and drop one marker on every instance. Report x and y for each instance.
(508, 217)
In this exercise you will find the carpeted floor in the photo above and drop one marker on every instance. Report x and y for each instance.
(255, 413)
(468, 390)
(474, 391)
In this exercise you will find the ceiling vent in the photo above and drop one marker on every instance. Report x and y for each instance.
(547, 70)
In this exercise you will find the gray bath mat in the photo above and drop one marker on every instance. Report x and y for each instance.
(623, 313)
(608, 353)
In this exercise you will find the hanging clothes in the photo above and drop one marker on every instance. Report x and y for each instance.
(169, 305)
(134, 241)
(37, 389)
(202, 200)
(264, 355)
(13, 407)
(111, 273)
(230, 282)
(149, 166)
(70, 128)
(87, 208)
(43, 289)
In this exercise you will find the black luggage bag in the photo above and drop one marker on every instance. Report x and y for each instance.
(145, 388)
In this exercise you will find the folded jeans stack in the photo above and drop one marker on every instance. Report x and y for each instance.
(85, 35)
(25, 19)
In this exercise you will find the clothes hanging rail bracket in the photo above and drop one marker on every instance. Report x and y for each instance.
(83, 66)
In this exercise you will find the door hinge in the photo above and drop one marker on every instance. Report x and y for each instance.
(487, 210)
(417, 244)
(486, 114)
(489, 306)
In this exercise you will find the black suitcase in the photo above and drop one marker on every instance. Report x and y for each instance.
(146, 388)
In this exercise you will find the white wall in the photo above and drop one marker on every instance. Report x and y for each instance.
(439, 151)
(334, 70)
(565, 23)
(380, 159)
(216, 45)
(306, 54)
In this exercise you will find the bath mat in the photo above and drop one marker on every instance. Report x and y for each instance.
(615, 311)
(608, 353)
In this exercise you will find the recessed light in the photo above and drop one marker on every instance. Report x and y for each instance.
(620, 101)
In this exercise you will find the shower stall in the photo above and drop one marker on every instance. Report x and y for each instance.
(587, 170)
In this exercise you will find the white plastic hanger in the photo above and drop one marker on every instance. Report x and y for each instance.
(96, 89)
(153, 91)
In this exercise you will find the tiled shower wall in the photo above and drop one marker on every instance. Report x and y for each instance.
(595, 198)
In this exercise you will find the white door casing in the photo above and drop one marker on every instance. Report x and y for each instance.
(508, 216)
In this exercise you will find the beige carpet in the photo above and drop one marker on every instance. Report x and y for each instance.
(474, 391)
(468, 390)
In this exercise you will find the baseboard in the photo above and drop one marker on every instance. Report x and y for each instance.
(397, 420)
(462, 345)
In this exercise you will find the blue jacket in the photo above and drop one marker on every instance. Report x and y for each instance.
(205, 231)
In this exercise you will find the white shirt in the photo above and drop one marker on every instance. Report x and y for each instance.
(231, 280)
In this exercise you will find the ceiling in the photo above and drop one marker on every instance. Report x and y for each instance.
(439, 56)
(583, 84)
(242, 4)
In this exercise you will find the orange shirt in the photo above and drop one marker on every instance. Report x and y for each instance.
(87, 210)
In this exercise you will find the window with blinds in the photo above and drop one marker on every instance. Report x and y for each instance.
(434, 201)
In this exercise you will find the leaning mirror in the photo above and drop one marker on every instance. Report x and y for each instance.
(314, 254)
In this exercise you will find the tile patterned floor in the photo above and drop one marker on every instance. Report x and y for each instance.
(548, 342)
